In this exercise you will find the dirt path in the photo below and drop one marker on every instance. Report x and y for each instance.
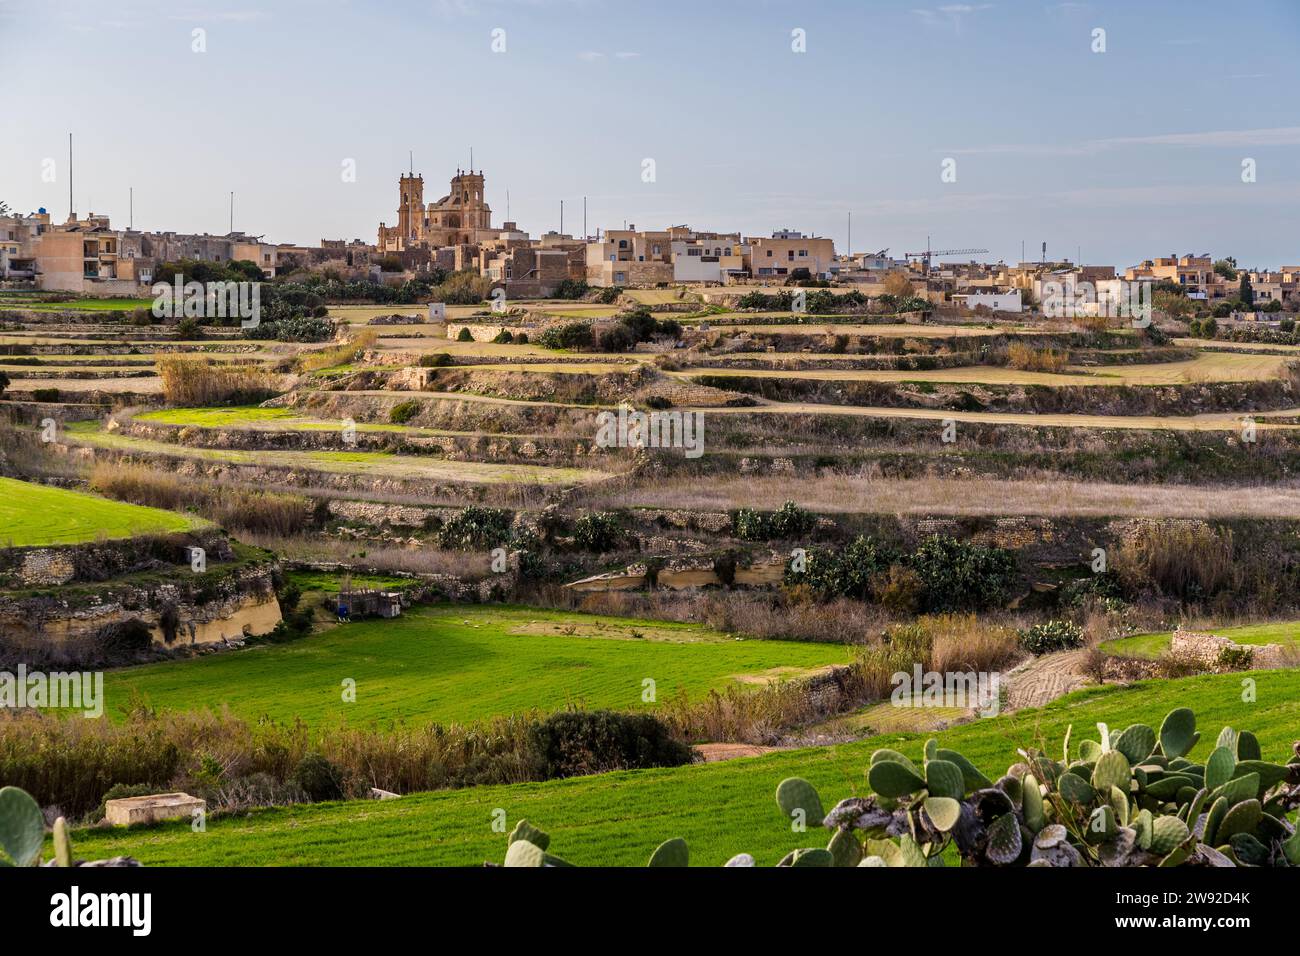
(1043, 679)
(712, 753)
(1210, 421)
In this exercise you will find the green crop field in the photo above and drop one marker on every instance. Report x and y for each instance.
(273, 419)
(33, 515)
(720, 809)
(222, 417)
(430, 665)
(1153, 645)
(91, 305)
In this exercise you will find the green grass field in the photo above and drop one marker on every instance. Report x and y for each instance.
(33, 515)
(720, 809)
(1153, 645)
(222, 417)
(83, 305)
(329, 581)
(428, 665)
(254, 417)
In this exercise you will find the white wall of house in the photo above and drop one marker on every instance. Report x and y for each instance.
(997, 301)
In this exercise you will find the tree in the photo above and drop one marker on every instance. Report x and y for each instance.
(1173, 305)
(898, 284)
(1226, 267)
(1244, 291)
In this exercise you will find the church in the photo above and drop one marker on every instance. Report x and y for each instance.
(462, 217)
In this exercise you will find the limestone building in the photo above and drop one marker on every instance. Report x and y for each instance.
(462, 217)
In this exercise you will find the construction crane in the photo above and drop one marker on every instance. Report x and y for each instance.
(929, 253)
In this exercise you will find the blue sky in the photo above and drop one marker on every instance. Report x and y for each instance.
(1122, 155)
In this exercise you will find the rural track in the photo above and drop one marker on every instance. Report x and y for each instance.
(1211, 421)
(1042, 679)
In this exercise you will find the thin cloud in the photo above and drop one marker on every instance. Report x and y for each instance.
(949, 15)
(1209, 139)
(595, 56)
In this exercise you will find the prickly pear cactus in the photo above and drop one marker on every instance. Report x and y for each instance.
(1133, 797)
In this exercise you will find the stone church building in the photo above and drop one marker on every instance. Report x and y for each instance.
(462, 217)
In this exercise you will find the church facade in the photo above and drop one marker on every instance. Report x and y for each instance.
(462, 217)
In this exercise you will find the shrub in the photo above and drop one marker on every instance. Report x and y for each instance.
(476, 527)
(465, 335)
(435, 360)
(1103, 587)
(900, 590)
(846, 572)
(570, 335)
(4, 382)
(958, 575)
(319, 778)
(466, 287)
(617, 338)
(573, 743)
(788, 521)
(1236, 658)
(570, 289)
(503, 338)
(597, 531)
(297, 328)
(45, 394)
(1051, 636)
(403, 412)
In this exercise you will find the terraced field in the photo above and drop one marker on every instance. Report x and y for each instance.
(376, 464)
(34, 515)
(254, 418)
(1209, 421)
(465, 663)
(617, 819)
(1206, 367)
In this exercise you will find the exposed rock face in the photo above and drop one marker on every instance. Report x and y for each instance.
(216, 608)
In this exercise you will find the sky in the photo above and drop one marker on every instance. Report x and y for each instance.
(985, 125)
